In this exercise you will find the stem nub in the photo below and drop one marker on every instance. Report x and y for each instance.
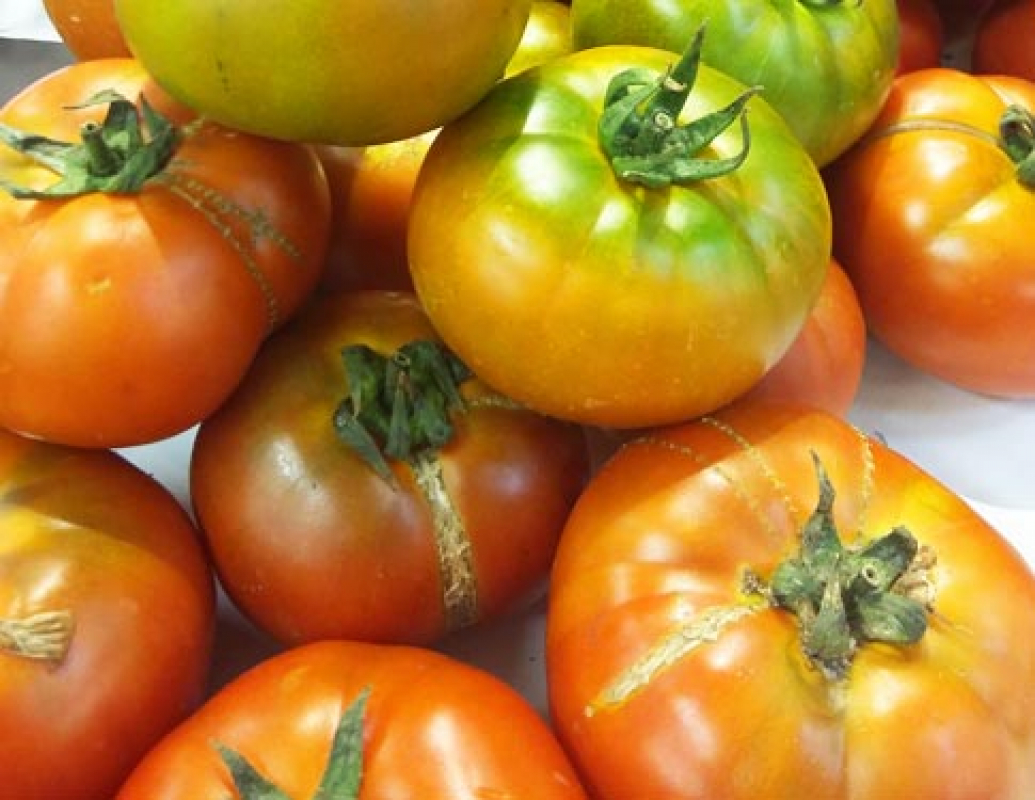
(1017, 131)
(45, 636)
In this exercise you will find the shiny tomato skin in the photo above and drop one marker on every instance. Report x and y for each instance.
(926, 224)
(669, 529)
(602, 302)
(127, 318)
(824, 365)
(345, 72)
(434, 727)
(921, 35)
(826, 67)
(88, 28)
(1003, 40)
(89, 534)
(311, 543)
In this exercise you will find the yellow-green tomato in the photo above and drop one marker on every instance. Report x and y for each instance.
(347, 72)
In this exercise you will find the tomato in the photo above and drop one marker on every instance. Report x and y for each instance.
(1003, 40)
(921, 35)
(617, 301)
(106, 619)
(313, 538)
(927, 223)
(824, 365)
(371, 186)
(373, 721)
(677, 668)
(346, 72)
(88, 28)
(127, 316)
(826, 67)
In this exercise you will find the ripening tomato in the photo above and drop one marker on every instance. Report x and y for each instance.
(613, 262)
(353, 721)
(1004, 42)
(929, 214)
(135, 293)
(825, 66)
(766, 603)
(361, 484)
(88, 28)
(346, 72)
(921, 35)
(107, 614)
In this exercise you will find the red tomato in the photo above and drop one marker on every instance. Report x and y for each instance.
(106, 619)
(722, 624)
(921, 35)
(128, 316)
(1004, 43)
(414, 723)
(928, 213)
(88, 28)
(312, 541)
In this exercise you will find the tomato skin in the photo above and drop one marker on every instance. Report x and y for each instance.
(515, 278)
(128, 318)
(824, 365)
(926, 225)
(826, 68)
(88, 28)
(86, 532)
(1003, 40)
(668, 528)
(434, 728)
(346, 73)
(921, 35)
(311, 543)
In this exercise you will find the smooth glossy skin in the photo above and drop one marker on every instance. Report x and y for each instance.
(345, 72)
(826, 67)
(86, 532)
(928, 225)
(88, 28)
(597, 301)
(921, 35)
(669, 527)
(311, 543)
(127, 318)
(1003, 40)
(435, 728)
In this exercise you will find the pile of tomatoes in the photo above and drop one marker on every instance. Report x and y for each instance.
(473, 304)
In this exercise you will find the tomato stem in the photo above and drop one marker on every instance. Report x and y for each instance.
(640, 133)
(845, 597)
(114, 156)
(1017, 131)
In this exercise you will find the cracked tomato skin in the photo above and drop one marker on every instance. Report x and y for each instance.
(599, 301)
(88, 534)
(669, 528)
(434, 728)
(127, 318)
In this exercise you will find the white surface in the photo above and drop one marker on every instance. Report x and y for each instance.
(25, 19)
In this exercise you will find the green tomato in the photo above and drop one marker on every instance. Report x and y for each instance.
(347, 72)
(596, 279)
(825, 65)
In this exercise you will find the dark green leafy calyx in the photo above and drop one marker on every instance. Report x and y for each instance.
(117, 156)
(846, 597)
(400, 405)
(1017, 132)
(640, 133)
(342, 775)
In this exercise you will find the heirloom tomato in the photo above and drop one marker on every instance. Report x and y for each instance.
(361, 484)
(88, 28)
(143, 265)
(766, 603)
(929, 223)
(921, 35)
(1004, 42)
(346, 72)
(107, 614)
(607, 238)
(825, 66)
(358, 721)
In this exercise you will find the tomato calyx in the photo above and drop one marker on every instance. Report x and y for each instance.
(639, 131)
(116, 156)
(45, 636)
(1017, 131)
(845, 597)
(341, 777)
(400, 405)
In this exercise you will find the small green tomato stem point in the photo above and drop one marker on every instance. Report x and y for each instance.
(1017, 135)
